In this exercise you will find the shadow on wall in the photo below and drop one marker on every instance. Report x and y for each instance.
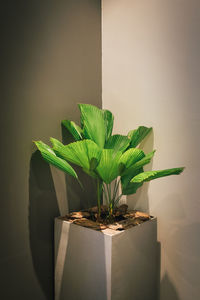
(168, 289)
(183, 250)
(43, 208)
(158, 269)
(140, 200)
(181, 247)
(79, 198)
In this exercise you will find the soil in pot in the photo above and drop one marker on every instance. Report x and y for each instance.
(121, 219)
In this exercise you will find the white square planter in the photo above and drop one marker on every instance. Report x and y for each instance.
(105, 265)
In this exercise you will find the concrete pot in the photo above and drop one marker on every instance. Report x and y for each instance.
(105, 265)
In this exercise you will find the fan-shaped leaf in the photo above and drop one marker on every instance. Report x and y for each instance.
(109, 119)
(138, 135)
(49, 155)
(93, 121)
(140, 163)
(127, 186)
(117, 142)
(85, 153)
(131, 188)
(74, 129)
(150, 175)
(108, 168)
(56, 143)
(131, 156)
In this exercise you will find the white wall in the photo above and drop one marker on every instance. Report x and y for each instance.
(151, 71)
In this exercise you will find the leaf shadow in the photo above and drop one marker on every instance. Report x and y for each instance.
(167, 289)
(43, 208)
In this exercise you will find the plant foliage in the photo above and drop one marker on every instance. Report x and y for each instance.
(104, 156)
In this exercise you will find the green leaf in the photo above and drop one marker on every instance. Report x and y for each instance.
(57, 147)
(138, 135)
(49, 155)
(85, 153)
(131, 156)
(93, 163)
(109, 119)
(117, 142)
(130, 188)
(140, 163)
(73, 128)
(93, 121)
(127, 186)
(150, 175)
(108, 168)
(56, 143)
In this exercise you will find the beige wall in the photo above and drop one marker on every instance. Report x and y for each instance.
(151, 71)
(51, 60)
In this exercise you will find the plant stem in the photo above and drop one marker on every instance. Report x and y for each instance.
(111, 197)
(106, 197)
(110, 200)
(117, 199)
(116, 188)
(111, 209)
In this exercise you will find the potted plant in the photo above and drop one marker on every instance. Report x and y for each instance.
(116, 164)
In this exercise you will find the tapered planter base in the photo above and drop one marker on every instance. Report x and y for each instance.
(106, 265)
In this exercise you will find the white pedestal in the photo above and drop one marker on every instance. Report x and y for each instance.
(107, 265)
